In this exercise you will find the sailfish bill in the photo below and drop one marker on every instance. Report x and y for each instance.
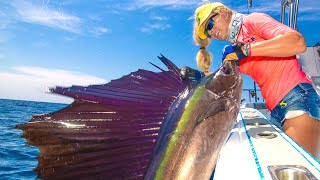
(145, 125)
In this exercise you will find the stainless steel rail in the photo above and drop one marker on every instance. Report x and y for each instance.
(292, 14)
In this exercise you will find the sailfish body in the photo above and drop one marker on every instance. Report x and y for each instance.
(145, 125)
(196, 127)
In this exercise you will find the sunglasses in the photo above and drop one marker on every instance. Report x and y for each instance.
(210, 25)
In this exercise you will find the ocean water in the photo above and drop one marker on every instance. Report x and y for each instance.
(18, 160)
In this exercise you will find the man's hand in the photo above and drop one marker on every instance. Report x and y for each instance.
(188, 72)
(233, 52)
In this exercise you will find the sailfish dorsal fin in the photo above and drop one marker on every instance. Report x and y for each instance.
(109, 131)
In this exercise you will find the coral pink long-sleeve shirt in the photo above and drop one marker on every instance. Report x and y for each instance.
(276, 76)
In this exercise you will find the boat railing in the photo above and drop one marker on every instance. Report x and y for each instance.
(292, 14)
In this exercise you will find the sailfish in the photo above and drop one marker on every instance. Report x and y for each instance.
(144, 125)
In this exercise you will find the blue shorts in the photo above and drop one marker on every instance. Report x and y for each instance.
(303, 97)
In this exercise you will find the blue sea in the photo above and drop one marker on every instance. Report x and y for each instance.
(18, 160)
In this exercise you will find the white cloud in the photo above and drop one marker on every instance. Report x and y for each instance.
(306, 11)
(40, 14)
(95, 17)
(98, 31)
(160, 18)
(31, 83)
(159, 24)
(70, 38)
(309, 13)
(308, 17)
(269, 7)
(4, 20)
(149, 28)
(173, 4)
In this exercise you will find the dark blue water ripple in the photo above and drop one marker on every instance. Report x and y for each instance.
(17, 160)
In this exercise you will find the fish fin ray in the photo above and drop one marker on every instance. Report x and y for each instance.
(110, 130)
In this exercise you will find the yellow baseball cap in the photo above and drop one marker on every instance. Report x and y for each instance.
(202, 14)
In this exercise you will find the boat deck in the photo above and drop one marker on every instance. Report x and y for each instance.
(256, 149)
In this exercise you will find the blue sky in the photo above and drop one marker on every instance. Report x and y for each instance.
(44, 43)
